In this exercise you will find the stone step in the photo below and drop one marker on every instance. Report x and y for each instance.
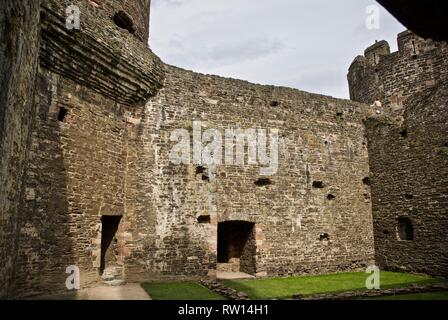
(112, 273)
(115, 283)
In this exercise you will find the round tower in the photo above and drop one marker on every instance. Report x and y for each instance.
(131, 15)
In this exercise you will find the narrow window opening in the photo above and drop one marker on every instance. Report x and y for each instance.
(405, 229)
(409, 196)
(62, 114)
(275, 103)
(414, 49)
(331, 197)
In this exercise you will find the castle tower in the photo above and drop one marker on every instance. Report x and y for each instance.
(391, 78)
(132, 15)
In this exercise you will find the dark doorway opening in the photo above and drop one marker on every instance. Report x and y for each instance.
(236, 246)
(109, 247)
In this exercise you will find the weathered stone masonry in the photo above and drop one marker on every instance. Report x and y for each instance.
(409, 165)
(322, 139)
(407, 151)
(99, 150)
(87, 86)
(19, 47)
(391, 78)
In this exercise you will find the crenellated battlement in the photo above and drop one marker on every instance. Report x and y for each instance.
(374, 53)
(391, 77)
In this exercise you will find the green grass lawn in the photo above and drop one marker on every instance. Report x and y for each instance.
(282, 288)
(180, 291)
(418, 296)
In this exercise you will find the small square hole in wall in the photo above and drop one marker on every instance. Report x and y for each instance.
(204, 219)
(404, 133)
(366, 181)
(324, 237)
(263, 182)
(200, 169)
(62, 114)
(318, 184)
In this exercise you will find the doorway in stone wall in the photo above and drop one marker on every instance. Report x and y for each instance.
(109, 265)
(236, 247)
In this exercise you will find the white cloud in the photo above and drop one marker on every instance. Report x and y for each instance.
(306, 44)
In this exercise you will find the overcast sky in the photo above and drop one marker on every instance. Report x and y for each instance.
(304, 44)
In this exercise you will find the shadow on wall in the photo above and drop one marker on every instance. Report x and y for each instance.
(19, 34)
(46, 245)
(409, 185)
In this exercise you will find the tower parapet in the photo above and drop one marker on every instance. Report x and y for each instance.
(106, 53)
(391, 78)
(374, 52)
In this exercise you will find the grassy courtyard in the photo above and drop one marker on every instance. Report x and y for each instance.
(308, 285)
(180, 291)
(284, 288)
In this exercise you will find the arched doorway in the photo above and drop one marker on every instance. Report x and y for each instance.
(236, 246)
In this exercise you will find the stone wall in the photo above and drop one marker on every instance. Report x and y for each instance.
(76, 175)
(409, 165)
(392, 77)
(107, 106)
(111, 62)
(298, 228)
(87, 86)
(407, 150)
(131, 15)
(96, 154)
(19, 33)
